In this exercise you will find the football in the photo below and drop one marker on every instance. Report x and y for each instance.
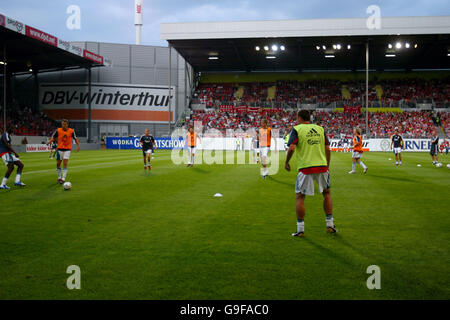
(448, 166)
(438, 165)
(67, 186)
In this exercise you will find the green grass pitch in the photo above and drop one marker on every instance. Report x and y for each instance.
(164, 235)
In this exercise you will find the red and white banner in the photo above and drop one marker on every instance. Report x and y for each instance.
(226, 108)
(41, 36)
(240, 109)
(253, 109)
(92, 56)
(38, 148)
(356, 109)
(34, 33)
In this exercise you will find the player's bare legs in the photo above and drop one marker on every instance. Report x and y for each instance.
(10, 169)
(356, 161)
(328, 208)
(300, 210)
(327, 203)
(264, 165)
(353, 166)
(20, 166)
(7, 175)
(149, 159)
(64, 174)
(58, 170)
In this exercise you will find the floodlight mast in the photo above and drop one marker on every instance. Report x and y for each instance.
(138, 19)
(4, 87)
(367, 89)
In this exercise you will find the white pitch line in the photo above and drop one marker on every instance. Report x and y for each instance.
(96, 165)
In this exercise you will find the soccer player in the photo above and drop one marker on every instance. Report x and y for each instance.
(445, 146)
(346, 143)
(192, 145)
(265, 136)
(148, 145)
(54, 147)
(286, 139)
(357, 151)
(255, 146)
(312, 153)
(340, 145)
(397, 141)
(10, 158)
(64, 136)
(238, 144)
(434, 150)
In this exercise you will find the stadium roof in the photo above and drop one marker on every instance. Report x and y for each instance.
(308, 44)
(28, 48)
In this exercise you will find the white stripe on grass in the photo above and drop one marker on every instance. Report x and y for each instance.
(92, 166)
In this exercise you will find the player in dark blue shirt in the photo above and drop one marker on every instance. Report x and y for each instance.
(53, 149)
(148, 145)
(397, 142)
(434, 150)
(10, 158)
(255, 147)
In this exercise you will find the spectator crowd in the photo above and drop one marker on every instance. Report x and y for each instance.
(392, 92)
(416, 124)
(28, 123)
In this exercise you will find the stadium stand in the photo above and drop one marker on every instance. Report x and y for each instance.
(28, 123)
(415, 124)
(289, 93)
(243, 105)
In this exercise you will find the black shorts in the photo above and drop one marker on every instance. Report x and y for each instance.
(434, 151)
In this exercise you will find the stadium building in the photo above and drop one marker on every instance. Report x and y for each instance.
(130, 92)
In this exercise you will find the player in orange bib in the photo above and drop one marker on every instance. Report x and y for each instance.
(357, 151)
(64, 136)
(265, 137)
(192, 145)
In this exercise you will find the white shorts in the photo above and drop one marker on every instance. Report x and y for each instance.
(149, 151)
(264, 151)
(397, 150)
(64, 155)
(9, 158)
(305, 182)
(192, 149)
(256, 150)
(356, 155)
